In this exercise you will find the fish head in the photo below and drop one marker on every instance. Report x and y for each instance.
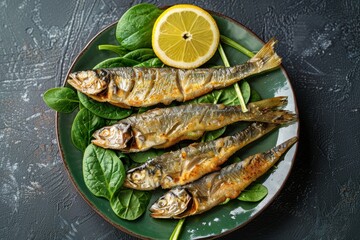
(117, 136)
(90, 82)
(145, 177)
(171, 204)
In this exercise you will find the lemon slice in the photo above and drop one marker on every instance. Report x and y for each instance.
(185, 36)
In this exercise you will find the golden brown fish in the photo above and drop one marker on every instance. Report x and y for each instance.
(140, 87)
(214, 188)
(163, 127)
(192, 162)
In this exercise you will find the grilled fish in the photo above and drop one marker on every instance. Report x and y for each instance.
(214, 188)
(190, 163)
(140, 87)
(163, 127)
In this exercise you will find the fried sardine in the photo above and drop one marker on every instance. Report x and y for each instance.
(140, 87)
(164, 127)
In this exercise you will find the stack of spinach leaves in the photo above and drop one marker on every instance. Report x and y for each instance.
(103, 169)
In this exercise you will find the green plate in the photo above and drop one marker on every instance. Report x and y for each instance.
(221, 219)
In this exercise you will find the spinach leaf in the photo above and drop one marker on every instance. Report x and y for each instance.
(61, 99)
(229, 96)
(116, 62)
(254, 96)
(130, 204)
(125, 160)
(143, 109)
(253, 193)
(134, 28)
(111, 121)
(212, 97)
(81, 106)
(142, 157)
(122, 156)
(234, 159)
(152, 62)
(209, 136)
(245, 90)
(84, 124)
(141, 54)
(104, 110)
(121, 51)
(207, 98)
(226, 96)
(103, 171)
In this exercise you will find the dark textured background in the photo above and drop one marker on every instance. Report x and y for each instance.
(319, 42)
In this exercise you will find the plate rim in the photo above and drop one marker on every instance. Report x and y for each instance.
(270, 201)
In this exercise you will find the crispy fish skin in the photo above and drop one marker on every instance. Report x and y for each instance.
(214, 188)
(163, 127)
(192, 162)
(141, 87)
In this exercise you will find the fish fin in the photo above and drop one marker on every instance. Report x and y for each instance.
(277, 116)
(266, 57)
(266, 111)
(276, 152)
(283, 147)
(281, 117)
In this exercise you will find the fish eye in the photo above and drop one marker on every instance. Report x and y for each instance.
(162, 202)
(102, 73)
(105, 133)
(137, 176)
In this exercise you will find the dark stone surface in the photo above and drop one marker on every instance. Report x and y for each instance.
(319, 42)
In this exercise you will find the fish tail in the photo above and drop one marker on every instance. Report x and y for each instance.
(267, 111)
(266, 57)
(276, 116)
(276, 152)
(253, 132)
(270, 103)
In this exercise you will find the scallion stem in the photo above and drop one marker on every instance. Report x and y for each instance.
(240, 97)
(223, 56)
(175, 234)
(237, 46)
(113, 48)
(236, 86)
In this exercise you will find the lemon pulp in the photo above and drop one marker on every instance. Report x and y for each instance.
(185, 36)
